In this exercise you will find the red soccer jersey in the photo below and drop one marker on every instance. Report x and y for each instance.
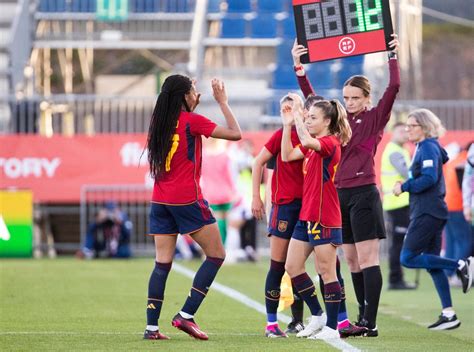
(320, 200)
(287, 180)
(179, 184)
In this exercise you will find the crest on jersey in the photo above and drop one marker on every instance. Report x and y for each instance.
(282, 225)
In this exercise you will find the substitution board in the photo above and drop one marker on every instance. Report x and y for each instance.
(332, 29)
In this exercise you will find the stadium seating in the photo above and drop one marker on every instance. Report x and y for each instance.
(283, 52)
(151, 6)
(139, 6)
(288, 29)
(67, 6)
(233, 27)
(214, 6)
(321, 75)
(248, 24)
(350, 66)
(52, 6)
(284, 77)
(264, 26)
(269, 6)
(273, 105)
(239, 6)
(82, 6)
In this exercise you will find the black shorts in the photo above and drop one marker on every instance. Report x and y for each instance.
(362, 214)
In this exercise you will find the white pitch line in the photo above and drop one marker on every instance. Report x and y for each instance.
(249, 302)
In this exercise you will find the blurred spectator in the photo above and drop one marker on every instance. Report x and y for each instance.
(457, 230)
(218, 181)
(242, 225)
(42, 234)
(109, 235)
(186, 248)
(394, 168)
(468, 192)
(25, 113)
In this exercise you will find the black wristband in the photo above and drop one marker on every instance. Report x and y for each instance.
(392, 55)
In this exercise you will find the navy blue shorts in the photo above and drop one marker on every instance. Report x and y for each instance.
(283, 219)
(166, 219)
(316, 234)
(424, 235)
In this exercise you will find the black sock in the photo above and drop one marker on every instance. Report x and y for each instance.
(201, 283)
(373, 287)
(321, 285)
(342, 306)
(156, 290)
(332, 298)
(272, 289)
(297, 308)
(358, 282)
(305, 287)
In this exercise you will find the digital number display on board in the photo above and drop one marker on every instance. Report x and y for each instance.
(332, 29)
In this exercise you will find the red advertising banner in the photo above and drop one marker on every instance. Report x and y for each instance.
(56, 168)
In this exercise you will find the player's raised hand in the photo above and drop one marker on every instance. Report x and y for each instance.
(298, 104)
(286, 113)
(218, 91)
(394, 43)
(297, 51)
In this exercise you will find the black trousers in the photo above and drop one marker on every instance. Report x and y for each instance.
(248, 234)
(397, 228)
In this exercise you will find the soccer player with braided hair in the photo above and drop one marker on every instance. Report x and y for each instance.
(177, 207)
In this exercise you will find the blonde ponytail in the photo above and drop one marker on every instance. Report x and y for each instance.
(340, 126)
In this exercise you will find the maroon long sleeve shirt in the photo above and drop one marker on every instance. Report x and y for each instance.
(357, 166)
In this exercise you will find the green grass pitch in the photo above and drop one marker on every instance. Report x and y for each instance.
(67, 305)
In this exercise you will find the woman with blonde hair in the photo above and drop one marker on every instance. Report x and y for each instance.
(428, 213)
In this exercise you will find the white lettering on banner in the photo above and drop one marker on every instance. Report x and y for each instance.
(51, 166)
(131, 154)
(27, 167)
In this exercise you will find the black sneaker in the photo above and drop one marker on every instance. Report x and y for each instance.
(465, 275)
(370, 332)
(445, 323)
(294, 327)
